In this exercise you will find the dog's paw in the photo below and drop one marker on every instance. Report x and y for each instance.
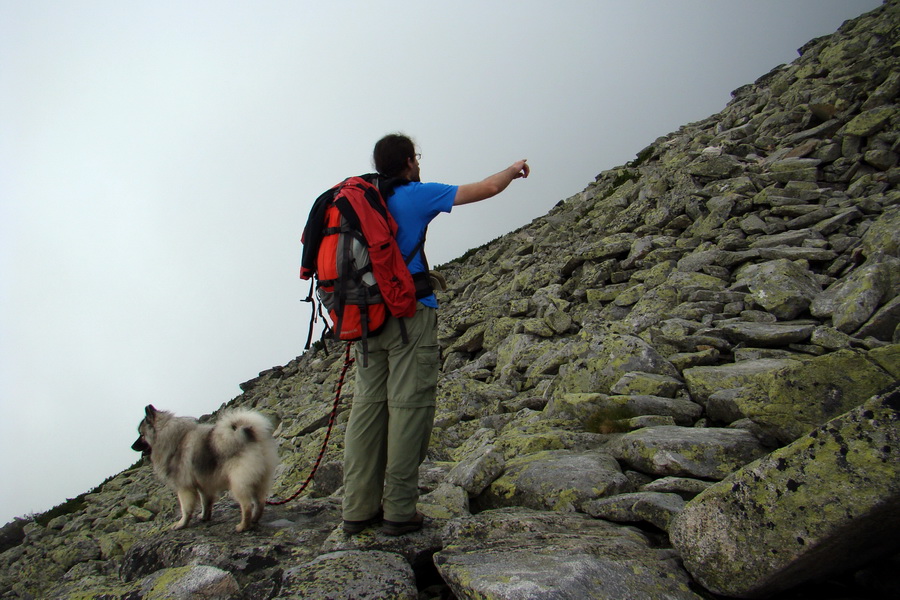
(179, 525)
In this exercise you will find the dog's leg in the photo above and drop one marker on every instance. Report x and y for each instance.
(245, 499)
(206, 502)
(258, 506)
(187, 498)
(260, 502)
(246, 518)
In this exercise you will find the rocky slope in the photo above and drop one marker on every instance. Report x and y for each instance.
(680, 383)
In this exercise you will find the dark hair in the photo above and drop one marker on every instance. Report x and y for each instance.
(392, 154)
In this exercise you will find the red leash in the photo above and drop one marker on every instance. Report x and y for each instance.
(337, 400)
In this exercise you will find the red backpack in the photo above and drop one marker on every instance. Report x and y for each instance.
(349, 247)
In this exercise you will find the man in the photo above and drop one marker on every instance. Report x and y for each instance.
(394, 403)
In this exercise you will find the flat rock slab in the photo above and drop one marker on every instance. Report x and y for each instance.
(656, 508)
(560, 480)
(706, 453)
(184, 583)
(519, 554)
(351, 575)
(768, 334)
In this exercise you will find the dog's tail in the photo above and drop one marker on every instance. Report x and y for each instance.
(238, 428)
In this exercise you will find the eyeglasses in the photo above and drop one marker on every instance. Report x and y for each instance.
(418, 156)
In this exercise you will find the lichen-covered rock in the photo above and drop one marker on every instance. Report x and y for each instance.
(888, 358)
(884, 234)
(351, 575)
(790, 401)
(652, 306)
(607, 359)
(657, 508)
(768, 335)
(647, 384)
(559, 480)
(595, 412)
(188, 583)
(884, 325)
(870, 121)
(685, 487)
(702, 382)
(478, 470)
(469, 398)
(819, 505)
(782, 287)
(516, 553)
(854, 299)
(444, 502)
(707, 453)
(75, 551)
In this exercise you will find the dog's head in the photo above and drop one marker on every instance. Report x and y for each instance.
(146, 431)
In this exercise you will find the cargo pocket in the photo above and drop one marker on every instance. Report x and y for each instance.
(427, 367)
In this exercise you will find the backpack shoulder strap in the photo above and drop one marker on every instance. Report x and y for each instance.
(420, 247)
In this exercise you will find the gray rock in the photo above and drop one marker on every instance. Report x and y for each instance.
(884, 234)
(351, 575)
(657, 508)
(513, 554)
(767, 334)
(884, 323)
(188, 583)
(477, 471)
(703, 382)
(707, 453)
(607, 358)
(558, 480)
(794, 238)
(650, 384)
(593, 410)
(824, 503)
(782, 287)
(685, 487)
(851, 301)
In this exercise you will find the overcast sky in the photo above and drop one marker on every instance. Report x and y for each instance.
(158, 161)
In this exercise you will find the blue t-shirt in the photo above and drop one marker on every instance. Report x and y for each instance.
(413, 206)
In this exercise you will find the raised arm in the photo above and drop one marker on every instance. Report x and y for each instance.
(491, 186)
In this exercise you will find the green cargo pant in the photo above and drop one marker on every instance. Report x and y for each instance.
(391, 419)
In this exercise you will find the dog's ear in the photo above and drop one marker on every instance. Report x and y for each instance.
(150, 413)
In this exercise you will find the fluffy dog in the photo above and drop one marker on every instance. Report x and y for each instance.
(201, 461)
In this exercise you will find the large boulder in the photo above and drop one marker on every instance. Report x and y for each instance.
(823, 504)
(787, 398)
(851, 301)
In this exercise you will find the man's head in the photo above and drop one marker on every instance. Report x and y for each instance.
(395, 156)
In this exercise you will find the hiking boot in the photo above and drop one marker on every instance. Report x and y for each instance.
(401, 527)
(353, 527)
